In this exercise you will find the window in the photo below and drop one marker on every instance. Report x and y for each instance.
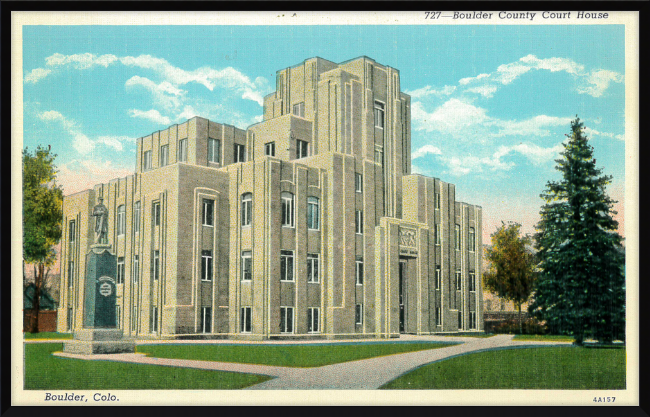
(120, 270)
(313, 213)
(214, 150)
(359, 222)
(438, 279)
(155, 213)
(156, 265)
(437, 232)
(379, 114)
(437, 197)
(313, 320)
(286, 319)
(154, 320)
(245, 322)
(379, 156)
(72, 231)
(358, 314)
(206, 319)
(299, 109)
(312, 268)
(287, 209)
(246, 266)
(471, 244)
(136, 268)
(70, 274)
(460, 320)
(239, 153)
(438, 317)
(472, 281)
(358, 182)
(301, 149)
(269, 149)
(182, 150)
(136, 216)
(457, 237)
(147, 160)
(472, 320)
(206, 265)
(208, 209)
(286, 265)
(69, 321)
(458, 276)
(359, 270)
(134, 318)
(121, 220)
(164, 155)
(246, 209)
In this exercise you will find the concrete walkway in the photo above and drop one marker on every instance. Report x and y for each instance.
(363, 374)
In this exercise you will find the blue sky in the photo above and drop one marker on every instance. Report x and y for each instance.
(490, 104)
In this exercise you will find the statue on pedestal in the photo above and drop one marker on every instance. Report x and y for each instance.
(100, 212)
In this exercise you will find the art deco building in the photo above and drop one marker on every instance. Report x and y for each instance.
(307, 224)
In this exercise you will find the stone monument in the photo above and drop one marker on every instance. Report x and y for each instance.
(100, 333)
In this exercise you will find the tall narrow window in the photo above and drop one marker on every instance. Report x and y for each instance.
(286, 319)
(245, 320)
(164, 155)
(471, 242)
(313, 320)
(379, 156)
(147, 160)
(313, 272)
(121, 220)
(437, 197)
(120, 270)
(214, 150)
(457, 237)
(206, 265)
(287, 209)
(70, 274)
(379, 114)
(155, 213)
(299, 109)
(358, 182)
(156, 265)
(460, 320)
(458, 280)
(437, 232)
(134, 318)
(154, 320)
(208, 209)
(301, 149)
(72, 231)
(472, 320)
(472, 281)
(246, 266)
(358, 314)
(239, 153)
(286, 265)
(359, 270)
(313, 213)
(136, 217)
(438, 278)
(136, 268)
(438, 317)
(246, 209)
(359, 222)
(269, 149)
(69, 321)
(182, 150)
(206, 319)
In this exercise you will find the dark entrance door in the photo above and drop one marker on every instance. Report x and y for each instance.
(402, 295)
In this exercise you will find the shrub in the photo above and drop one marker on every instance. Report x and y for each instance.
(530, 326)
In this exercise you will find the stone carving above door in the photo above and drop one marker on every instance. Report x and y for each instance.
(407, 237)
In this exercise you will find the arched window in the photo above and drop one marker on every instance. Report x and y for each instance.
(287, 209)
(313, 213)
(246, 209)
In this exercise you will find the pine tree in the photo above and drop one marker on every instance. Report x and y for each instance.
(581, 284)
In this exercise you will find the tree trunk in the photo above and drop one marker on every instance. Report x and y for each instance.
(520, 326)
(36, 303)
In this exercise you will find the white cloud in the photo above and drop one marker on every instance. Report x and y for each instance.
(507, 73)
(465, 81)
(553, 64)
(598, 81)
(431, 91)
(426, 150)
(114, 142)
(593, 132)
(165, 95)
(79, 175)
(152, 115)
(538, 154)
(36, 75)
(82, 144)
(80, 61)
(535, 126)
(451, 117)
(487, 90)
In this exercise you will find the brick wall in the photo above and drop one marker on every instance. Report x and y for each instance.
(46, 320)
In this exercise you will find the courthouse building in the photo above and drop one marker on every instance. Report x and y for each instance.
(307, 224)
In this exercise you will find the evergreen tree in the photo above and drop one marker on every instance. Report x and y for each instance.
(580, 289)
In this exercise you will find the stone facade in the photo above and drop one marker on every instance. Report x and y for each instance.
(308, 224)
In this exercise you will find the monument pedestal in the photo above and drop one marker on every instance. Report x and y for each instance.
(98, 341)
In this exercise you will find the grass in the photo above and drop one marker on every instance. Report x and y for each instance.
(301, 356)
(543, 338)
(47, 335)
(529, 368)
(44, 371)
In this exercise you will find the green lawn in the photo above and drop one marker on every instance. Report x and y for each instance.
(543, 338)
(47, 335)
(530, 368)
(302, 356)
(44, 371)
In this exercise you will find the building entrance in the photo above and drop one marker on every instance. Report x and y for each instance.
(402, 295)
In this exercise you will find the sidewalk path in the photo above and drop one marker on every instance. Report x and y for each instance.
(360, 375)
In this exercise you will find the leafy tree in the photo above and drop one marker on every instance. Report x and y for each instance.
(581, 287)
(512, 266)
(42, 213)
